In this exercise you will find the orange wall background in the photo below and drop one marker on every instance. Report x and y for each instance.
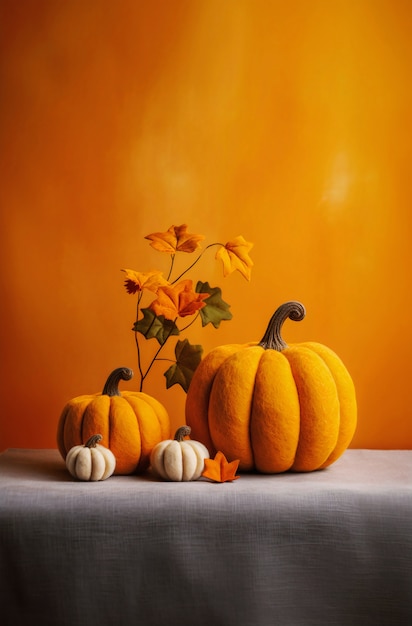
(288, 123)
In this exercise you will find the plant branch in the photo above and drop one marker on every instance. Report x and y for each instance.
(194, 262)
(136, 338)
(155, 358)
(171, 266)
(190, 323)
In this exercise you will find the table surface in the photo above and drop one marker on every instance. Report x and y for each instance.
(329, 547)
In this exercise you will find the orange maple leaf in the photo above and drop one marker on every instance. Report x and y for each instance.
(175, 239)
(178, 300)
(219, 469)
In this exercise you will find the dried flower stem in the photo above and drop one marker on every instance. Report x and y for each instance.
(143, 375)
(179, 298)
(193, 264)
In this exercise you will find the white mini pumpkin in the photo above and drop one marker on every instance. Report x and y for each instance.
(179, 459)
(91, 461)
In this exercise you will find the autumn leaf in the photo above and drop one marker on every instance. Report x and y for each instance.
(178, 300)
(215, 309)
(155, 326)
(235, 256)
(137, 281)
(188, 357)
(176, 239)
(219, 469)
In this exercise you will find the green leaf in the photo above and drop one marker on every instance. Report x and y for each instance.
(155, 326)
(188, 357)
(215, 309)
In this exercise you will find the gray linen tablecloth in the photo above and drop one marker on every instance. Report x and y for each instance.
(327, 548)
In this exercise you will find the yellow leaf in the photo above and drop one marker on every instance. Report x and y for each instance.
(176, 239)
(234, 256)
(137, 281)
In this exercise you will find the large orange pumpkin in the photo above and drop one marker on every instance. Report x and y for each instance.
(274, 407)
(131, 423)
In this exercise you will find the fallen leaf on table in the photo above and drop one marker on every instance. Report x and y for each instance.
(220, 469)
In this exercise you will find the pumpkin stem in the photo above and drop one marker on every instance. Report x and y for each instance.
(93, 441)
(182, 432)
(111, 387)
(272, 339)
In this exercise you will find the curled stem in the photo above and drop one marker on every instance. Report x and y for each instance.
(182, 432)
(93, 441)
(111, 387)
(272, 339)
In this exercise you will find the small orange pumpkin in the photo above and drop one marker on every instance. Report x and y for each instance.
(131, 423)
(274, 407)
